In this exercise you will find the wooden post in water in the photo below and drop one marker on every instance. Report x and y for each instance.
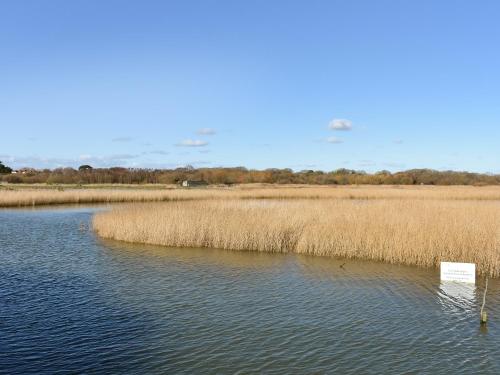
(484, 315)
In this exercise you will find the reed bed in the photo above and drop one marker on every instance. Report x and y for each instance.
(400, 231)
(39, 196)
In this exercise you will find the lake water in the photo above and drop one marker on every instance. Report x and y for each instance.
(71, 303)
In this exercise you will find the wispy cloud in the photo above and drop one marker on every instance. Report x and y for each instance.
(122, 156)
(106, 160)
(398, 141)
(36, 161)
(366, 163)
(58, 162)
(122, 139)
(192, 143)
(158, 152)
(334, 140)
(395, 165)
(304, 166)
(7, 158)
(340, 124)
(206, 131)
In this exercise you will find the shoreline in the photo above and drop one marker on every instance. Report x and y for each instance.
(397, 232)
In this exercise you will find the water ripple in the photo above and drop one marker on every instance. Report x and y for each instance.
(70, 303)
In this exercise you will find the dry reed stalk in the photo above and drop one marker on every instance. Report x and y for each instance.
(35, 197)
(404, 231)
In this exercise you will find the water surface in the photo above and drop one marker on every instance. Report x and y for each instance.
(71, 303)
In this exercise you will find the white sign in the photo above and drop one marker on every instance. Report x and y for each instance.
(462, 272)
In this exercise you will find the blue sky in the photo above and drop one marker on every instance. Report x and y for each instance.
(289, 84)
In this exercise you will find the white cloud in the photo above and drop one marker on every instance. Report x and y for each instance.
(340, 124)
(57, 162)
(334, 140)
(206, 131)
(39, 162)
(192, 143)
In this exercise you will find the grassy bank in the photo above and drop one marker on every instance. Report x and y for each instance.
(405, 230)
(13, 196)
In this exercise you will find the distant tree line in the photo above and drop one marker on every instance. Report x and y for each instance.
(88, 175)
(4, 169)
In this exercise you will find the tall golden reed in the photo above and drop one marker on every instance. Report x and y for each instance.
(35, 197)
(409, 231)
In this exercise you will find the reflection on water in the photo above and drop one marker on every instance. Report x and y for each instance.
(71, 302)
(458, 294)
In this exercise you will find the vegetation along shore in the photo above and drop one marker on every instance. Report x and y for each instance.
(408, 224)
(414, 226)
(22, 196)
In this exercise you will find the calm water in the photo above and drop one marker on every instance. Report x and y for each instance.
(70, 303)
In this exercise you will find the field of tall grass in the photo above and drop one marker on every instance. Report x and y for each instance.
(402, 226)
(25, 196)
(40, 197)
(414, 225)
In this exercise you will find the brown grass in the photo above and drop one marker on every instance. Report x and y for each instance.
(414, 225)
(39, 196)
(418, 231)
